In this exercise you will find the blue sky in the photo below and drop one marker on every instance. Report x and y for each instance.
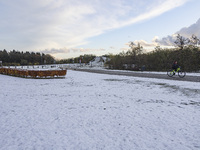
(68, 28)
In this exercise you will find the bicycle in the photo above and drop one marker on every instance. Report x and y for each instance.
(172, 72)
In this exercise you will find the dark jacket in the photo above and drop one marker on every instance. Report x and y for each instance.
(175, 66)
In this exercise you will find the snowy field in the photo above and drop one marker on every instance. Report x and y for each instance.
(88, 111)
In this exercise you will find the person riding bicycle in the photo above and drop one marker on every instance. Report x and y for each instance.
(175, 65)
(176, 69)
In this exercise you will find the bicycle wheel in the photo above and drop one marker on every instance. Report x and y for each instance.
(170, 72)
(181, 73)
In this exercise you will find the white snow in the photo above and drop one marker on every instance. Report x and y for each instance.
(37, 67)
(88, 111)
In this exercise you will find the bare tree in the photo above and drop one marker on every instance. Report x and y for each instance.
(194, 40)
(181, 41)
(136, 49)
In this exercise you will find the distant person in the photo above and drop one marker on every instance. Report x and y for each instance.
(143, 68)
(175, 65)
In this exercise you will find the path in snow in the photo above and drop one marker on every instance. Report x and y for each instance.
(142, 74)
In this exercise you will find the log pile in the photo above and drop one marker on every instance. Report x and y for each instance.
(33, 73)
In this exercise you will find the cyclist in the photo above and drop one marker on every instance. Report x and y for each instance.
(175, 66)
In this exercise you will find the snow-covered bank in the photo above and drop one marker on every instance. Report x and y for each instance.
(97, 111)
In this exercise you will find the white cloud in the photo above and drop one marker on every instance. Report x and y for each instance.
(189, 31)
(169, 40)
(56, 24)
(54, 51)
(165, 41)
(155, 8)
(144, 43)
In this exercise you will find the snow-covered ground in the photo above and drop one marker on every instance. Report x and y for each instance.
(37, 67)
(88, 111)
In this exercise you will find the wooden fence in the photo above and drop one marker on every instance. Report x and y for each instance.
(33, 73)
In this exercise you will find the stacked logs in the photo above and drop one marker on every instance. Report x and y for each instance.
(32, 73)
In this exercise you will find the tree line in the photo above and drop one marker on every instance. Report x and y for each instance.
(16, 58)
(24, 58)
(86, 58)
(187, 53)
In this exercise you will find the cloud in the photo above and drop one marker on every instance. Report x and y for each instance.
(50, 25)
(70, 50)
(165, 41)
(189, 31)
(144, 43)
(55, 51)
(169, 40)
(155, 8)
